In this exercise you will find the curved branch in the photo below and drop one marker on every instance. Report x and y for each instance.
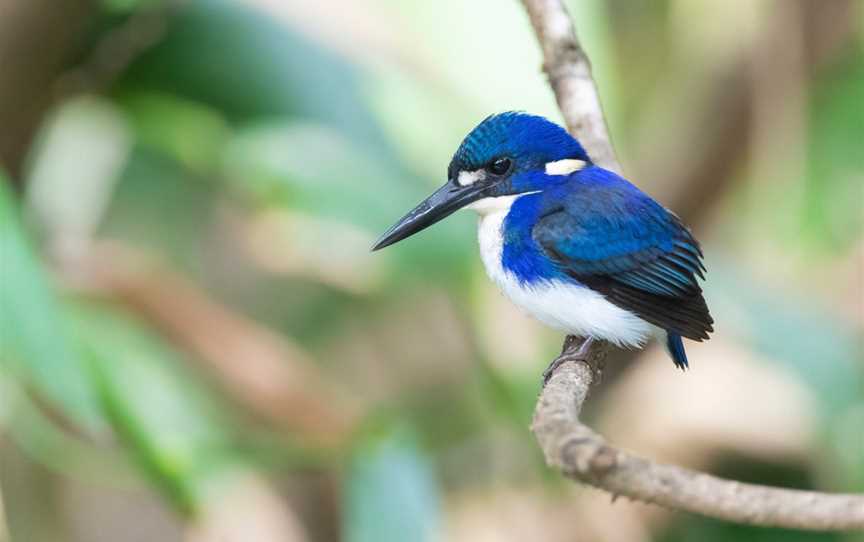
(574, 448)
(583, 455)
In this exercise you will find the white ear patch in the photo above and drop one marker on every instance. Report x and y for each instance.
(565, 167)
(467, 178)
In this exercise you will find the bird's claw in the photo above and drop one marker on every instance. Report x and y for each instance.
(550, 370)
(580, 354)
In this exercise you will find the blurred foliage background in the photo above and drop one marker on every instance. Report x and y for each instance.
(197, 345)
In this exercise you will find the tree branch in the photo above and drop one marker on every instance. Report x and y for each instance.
(583, 455)
(576, 449)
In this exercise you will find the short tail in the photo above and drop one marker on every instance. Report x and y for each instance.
(676, 349)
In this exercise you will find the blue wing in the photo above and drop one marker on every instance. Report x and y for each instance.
(610, 236)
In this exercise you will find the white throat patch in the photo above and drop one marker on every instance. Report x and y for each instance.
(565, 167)
(501, 204)
(467, 178)
(487, 206)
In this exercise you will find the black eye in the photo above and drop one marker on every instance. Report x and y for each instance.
(499, 166)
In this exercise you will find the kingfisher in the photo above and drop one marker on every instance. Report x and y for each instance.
(574, 245)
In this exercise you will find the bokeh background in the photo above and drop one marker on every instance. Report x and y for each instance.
(197, 344)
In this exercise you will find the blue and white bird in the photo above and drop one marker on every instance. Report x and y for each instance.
(576, 246)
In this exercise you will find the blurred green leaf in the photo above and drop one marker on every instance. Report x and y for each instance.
(281, 92)
(174, 432)
(260, 68)
(833, 217)
(391, 495)
(313, 168)
(161, 205)
(33, 334)
(34, 431)
(188, 131)
(129, 6)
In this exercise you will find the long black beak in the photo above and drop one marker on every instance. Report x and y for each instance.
(441, 204)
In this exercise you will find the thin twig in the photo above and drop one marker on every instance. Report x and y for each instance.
(576, 449)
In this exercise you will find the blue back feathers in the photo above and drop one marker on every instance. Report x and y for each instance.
(594, 228)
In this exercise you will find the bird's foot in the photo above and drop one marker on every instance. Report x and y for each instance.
(571, 352)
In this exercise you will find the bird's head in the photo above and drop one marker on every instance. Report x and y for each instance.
(504, 156)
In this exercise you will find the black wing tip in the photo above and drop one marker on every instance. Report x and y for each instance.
(685, 316)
